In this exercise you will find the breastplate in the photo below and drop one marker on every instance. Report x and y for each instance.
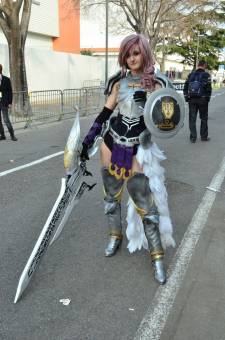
(126, 104)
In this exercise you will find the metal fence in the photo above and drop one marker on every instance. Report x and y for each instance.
(53, 105)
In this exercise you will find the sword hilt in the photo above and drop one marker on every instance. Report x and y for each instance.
(83, 166)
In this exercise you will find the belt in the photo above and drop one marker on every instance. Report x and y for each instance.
(122, 140)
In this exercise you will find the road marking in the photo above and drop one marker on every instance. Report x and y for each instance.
(217, 94)
(155, 319)
(7, 172)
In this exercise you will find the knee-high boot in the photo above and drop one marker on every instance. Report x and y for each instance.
(139, 191)
(113, 191)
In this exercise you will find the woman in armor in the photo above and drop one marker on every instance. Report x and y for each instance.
(129, 156)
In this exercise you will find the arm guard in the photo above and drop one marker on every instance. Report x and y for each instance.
(96, 128)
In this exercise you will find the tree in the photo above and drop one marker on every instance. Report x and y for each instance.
(162, 20)
(14, 21)
(204, 36)
(147, 16)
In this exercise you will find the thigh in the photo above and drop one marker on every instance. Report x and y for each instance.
(136, 166)
(105, 155)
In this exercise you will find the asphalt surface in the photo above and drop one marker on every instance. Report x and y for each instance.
(108, 297)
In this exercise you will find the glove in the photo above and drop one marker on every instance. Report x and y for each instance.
(140, 96)
(84, 153)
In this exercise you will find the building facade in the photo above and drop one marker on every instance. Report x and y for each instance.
(58, 34)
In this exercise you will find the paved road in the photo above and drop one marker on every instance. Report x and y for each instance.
(109, 297)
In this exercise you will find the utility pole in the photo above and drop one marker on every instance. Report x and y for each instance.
(197, 50)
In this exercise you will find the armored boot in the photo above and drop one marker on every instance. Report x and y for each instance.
(152, 234)
(139, 191)
(113, 191)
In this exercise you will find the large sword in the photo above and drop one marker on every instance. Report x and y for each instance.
(72, 188)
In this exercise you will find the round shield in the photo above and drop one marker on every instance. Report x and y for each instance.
(164, 113)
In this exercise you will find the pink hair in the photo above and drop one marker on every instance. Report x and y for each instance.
(148, 79)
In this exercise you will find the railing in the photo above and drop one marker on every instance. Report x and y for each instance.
(53, 105)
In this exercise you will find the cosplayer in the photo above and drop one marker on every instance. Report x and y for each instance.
(129, 156)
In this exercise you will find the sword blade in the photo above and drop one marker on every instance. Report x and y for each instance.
(68, 197)
(40, 247)
(83, 186)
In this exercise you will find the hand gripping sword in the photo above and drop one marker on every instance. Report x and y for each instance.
(72, 188)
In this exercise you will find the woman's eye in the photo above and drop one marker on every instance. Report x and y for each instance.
(136, 53)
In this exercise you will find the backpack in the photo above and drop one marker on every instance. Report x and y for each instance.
(195, 86)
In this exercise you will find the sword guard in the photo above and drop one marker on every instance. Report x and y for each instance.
(88, 173)
(83, 166)
(90, 187)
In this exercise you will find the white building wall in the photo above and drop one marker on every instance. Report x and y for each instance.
(56, 70)
(44, 18)
(44, 24)
(48, 70)
(39, 41)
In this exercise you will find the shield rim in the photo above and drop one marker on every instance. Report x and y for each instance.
(149, 105)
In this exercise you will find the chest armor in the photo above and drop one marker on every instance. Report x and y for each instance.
(126, 104)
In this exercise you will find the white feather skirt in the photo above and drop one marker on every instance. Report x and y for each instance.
(149, 160)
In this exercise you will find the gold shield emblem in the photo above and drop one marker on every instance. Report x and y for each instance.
(168, 109)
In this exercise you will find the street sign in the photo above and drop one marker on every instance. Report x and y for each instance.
(178, 86)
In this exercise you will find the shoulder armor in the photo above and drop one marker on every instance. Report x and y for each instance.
(163, 80)
(111, 81)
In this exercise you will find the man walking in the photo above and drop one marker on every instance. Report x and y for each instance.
(197, 92)
(5, 103)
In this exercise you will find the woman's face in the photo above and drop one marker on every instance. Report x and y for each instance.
(134, 60)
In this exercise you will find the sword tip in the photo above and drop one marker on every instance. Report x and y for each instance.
(17, 296)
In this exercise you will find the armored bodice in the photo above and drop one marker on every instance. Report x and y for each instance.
(126, 104)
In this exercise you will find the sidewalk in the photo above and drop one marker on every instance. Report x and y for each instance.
(198, 312)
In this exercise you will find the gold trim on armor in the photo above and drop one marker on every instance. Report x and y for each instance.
(115, 235)
(118, 195)
(121, 175)
(140, 211)
(157, 254)
(133, 85)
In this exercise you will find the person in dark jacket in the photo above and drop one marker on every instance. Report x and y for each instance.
(198, 102)
(5, 103)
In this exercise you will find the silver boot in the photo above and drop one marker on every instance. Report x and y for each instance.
(156, 251)
(113, 245)
(138, 188)
(159, 269)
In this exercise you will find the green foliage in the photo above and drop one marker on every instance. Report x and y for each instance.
(209, 47)
(86, 52)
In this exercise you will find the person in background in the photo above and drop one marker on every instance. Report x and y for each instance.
(5, 103)
(197, 92)
(129, 156)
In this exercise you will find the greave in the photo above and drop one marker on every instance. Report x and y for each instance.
(139, 191)
(152, 234)
(113, 190)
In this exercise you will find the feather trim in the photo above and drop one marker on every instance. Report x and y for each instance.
(150, 161)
